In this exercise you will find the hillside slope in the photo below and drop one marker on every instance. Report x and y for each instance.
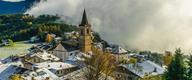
(21, 27)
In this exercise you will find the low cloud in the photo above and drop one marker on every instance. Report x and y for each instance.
(156, 25)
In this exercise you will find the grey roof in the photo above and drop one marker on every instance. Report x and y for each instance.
(59, 47)
(145, 67)
(41, 47)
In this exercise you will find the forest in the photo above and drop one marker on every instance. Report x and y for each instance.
(20, 27)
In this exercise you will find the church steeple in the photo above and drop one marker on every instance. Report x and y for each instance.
(84, 19)
(85, 35)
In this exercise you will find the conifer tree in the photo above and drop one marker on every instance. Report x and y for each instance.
(189, 69)
(176, 70)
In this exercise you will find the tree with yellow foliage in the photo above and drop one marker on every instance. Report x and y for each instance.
(16, 77)
(49, 38)
(132, 60)
(158, 77)
(100, 64)
(167, 58)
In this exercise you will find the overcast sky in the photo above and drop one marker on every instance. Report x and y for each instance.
(156, 25)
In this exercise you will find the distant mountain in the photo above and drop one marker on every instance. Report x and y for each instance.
(15, 6)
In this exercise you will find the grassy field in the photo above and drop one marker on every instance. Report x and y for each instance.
(17, 48)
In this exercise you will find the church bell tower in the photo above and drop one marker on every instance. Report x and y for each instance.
(85, 38)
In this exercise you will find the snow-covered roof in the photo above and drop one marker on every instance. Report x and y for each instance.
(53, 35)
(10, 59)
(76, 55)
(118, 50)
(145, 67)
(5, 66)
(45, 56)
(34, 38)
(10, 70)
(54, 65)
(73, 32)
(67, 33)
(135, 55)
(7, 70)
(41, 47)
(98, 45)
(39, 74)
(58, 38)
(80, 75)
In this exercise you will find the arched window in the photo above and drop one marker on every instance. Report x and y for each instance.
(87, 31)
(82, 31)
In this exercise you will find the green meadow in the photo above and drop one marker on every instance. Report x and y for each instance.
(17, 48)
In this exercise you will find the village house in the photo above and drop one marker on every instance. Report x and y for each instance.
(139, 71)
(58, 39)
(119, 52)
(6, 42)
(71, 35)
(41, 47)
(7, 71)
(60, 52)
(26, 74)
(138, 57)
(39, 74)
(58, 68)
(56, 49)
(41, 57)
(81, 75)
(34, 39)
(10, 59)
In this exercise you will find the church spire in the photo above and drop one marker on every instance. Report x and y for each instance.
(84, 19)
(85, 37)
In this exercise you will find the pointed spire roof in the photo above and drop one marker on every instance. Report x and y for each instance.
(84, 19)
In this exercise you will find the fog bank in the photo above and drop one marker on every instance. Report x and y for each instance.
(156, 25)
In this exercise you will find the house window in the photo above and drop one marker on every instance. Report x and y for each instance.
(35, 60)
(57, 72)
